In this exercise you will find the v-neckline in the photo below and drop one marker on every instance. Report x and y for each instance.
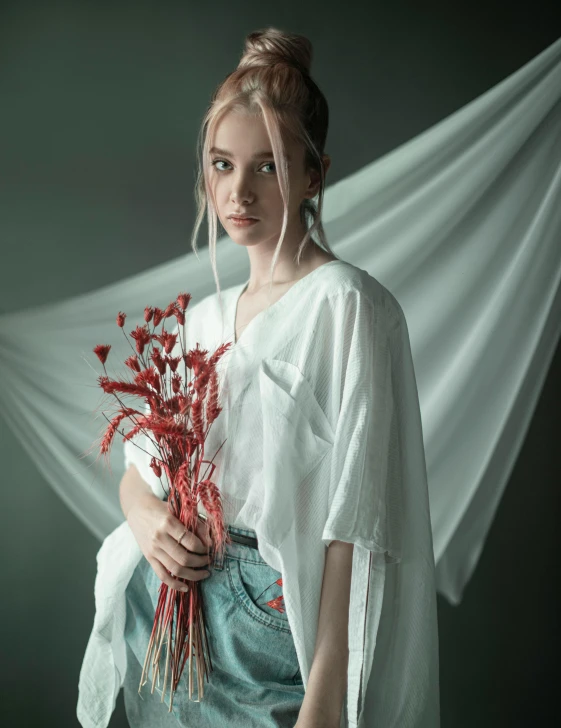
(274, 305)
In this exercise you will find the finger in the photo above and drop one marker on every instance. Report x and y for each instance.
(189, 540)
(164, 577)
(180, 552)
(179, 570)
(202, 530)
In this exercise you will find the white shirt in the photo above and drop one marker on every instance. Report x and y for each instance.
(323, 442)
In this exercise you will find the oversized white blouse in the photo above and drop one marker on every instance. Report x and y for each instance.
(323, 442)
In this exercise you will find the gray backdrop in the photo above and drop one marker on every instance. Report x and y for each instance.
(100, 107)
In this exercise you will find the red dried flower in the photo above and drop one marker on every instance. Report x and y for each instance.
(183, 300)
(170, 308)
(158, 316)
(212, 408)
(167, 340)
(201, 381)
(180, 316)
(149, 376)
(198, 359)
(111, 430)
(211, 499)
(219, 353)
(142, 337)
(155, 465)
(197, 418)
(178, 408)
(173, 362)
(101, 350)
(159, 363)
(132, 363)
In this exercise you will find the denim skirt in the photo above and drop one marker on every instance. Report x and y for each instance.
(255, 681)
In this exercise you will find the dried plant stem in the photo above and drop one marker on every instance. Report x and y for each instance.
(190, 648)
(168, 652)
(200, 654)
(166, 630)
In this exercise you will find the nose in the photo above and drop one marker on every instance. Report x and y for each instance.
(240, 192)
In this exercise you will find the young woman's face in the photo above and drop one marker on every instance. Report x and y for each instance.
(244, 178)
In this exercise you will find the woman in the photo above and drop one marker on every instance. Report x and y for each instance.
(323, 611)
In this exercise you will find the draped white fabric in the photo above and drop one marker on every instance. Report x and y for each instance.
(462, 224)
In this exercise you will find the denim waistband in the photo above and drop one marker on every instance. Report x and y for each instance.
(242, 531)
(239, 531)
(240, 551)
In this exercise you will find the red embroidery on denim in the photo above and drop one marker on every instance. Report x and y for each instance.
(276, 604)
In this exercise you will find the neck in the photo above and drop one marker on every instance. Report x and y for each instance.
(286, 268)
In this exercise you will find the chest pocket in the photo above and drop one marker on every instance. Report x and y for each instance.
(296, 436)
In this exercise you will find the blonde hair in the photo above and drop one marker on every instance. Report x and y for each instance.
(272, 79)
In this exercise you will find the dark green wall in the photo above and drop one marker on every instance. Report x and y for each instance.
(100, 104)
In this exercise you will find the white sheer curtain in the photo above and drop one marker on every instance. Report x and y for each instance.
(462, 224)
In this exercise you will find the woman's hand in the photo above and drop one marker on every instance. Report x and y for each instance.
(157, 531)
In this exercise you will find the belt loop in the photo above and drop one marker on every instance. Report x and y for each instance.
(218, 561)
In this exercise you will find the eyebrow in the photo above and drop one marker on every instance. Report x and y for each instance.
(260, 155)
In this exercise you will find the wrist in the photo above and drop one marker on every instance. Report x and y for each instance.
(144, 499)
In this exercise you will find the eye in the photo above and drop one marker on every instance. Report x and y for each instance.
(218, 161)
(223, 161)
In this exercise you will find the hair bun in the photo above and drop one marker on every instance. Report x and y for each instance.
(270, 45)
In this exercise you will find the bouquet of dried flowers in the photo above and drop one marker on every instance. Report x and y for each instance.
(177, 416)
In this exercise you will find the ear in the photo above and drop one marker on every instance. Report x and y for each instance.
(315, 179)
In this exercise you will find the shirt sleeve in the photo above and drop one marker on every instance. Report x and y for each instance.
(365, 487)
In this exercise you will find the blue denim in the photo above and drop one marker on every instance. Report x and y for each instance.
(255, 681)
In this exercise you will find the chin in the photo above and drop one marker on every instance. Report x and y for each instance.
(243, 241)
(239, 240)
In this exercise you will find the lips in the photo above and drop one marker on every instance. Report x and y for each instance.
(241, 217)
(243, 222)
